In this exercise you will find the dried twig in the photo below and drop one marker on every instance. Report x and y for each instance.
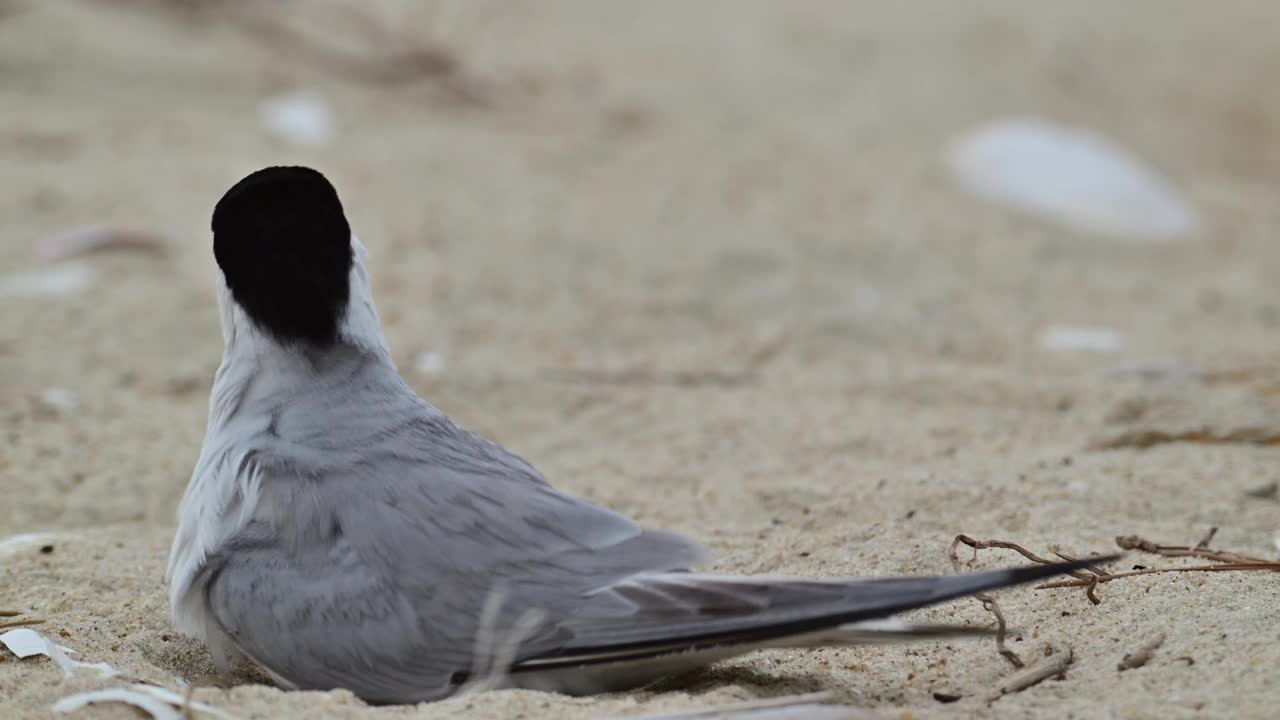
(1142, 655)
(1143, 439)
(1200, 550)
(10, 624)
(21, 623)
(394, 58)
(1156, 571)
(1226, 561)
(767, 350)
(96, 238)
(1208, 538)
(1053, 664)
(1089, 580)
(988, 602)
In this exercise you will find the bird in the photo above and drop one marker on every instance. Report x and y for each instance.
(340, 532)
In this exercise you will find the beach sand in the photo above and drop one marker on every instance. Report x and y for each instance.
(701, 263)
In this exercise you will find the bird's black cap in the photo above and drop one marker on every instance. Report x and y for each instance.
(284, 246)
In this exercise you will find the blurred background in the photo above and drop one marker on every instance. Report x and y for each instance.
(683, 228)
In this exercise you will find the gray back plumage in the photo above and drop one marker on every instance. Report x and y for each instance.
(383, 529)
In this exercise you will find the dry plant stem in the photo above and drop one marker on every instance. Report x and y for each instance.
(1091, 581)
(434, 63)
(1143, 439)
(1006, 545)
(1002, 629)
(1052, 664)
(1135, 542)
(767, 351)
(1091, 568)
(89, 239)
(1227, 561)
(1088, 580)
(1155, 571)
(1142, 655)
(20, 623)
(988, 603)
(10, 613)
(408, 61)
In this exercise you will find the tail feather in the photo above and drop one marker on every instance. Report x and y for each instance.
(670, 637)
(888, 630)
(773, 613)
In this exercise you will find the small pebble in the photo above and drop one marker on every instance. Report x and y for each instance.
(1063, 338)
(1263, 490)
(299, 118)
(59, 398)
(429, 363)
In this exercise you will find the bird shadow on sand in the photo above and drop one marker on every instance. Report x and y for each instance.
(763, 684)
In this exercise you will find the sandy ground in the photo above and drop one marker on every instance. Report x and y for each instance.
(700, 262)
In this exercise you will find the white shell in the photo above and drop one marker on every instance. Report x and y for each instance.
(24, 642)
(1071, 175)
(62, 279)
(160, 703)
(300, 118)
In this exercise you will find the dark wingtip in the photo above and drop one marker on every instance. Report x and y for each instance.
(1008, 577)
(1040, 572)
(899, 595)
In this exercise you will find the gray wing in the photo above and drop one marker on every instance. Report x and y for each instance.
(383, 574)
(403, 574)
